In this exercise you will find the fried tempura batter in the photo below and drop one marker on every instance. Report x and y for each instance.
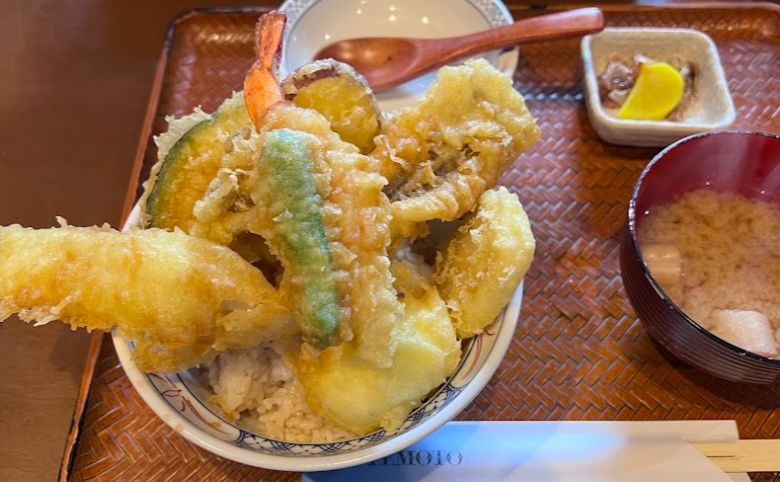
(480, 268)
(180, 298)
(441, 154)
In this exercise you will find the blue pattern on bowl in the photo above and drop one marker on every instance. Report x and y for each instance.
(179, 391)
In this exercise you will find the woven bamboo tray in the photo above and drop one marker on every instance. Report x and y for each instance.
(580, 353)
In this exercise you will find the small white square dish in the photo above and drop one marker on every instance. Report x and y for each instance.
(710, 107)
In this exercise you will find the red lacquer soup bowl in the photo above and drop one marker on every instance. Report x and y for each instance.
(747, 163)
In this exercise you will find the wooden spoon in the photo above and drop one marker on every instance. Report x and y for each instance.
(389, 61)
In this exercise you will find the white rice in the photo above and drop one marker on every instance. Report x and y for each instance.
(259, 389)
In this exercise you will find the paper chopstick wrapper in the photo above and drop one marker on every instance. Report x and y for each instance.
(550, 452)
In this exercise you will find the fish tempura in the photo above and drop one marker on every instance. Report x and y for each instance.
(182, 299)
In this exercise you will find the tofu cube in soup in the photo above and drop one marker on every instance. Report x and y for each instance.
(746, 329)
(665, 264)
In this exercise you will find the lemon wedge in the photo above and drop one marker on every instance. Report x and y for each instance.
(657, 91)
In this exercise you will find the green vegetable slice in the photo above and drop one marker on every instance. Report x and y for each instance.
(299, 232)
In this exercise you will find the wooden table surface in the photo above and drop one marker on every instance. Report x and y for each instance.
(74, 81)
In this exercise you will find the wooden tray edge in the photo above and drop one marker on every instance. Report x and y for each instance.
(607, 7)
(96, 341)
(625, 7)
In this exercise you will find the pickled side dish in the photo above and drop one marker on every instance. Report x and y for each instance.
(643, 88)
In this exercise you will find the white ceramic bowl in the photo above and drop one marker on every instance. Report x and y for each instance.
(712, 110)
(179, 400)
(312, 24)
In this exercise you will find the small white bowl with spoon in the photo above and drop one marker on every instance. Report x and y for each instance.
(315, 24)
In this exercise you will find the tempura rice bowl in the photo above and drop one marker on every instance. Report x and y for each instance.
(180, 400)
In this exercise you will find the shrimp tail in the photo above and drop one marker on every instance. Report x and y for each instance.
(261, 85)
(268, 39)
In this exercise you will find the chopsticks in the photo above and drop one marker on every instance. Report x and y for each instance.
(757, 455)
